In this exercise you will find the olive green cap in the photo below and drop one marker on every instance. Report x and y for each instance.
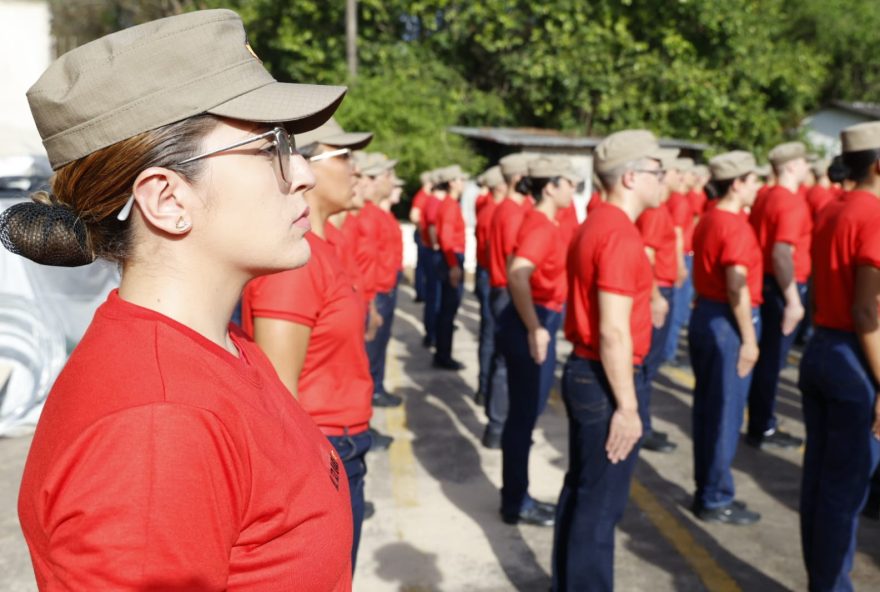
(161, 72)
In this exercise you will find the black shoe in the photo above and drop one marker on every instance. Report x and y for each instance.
(735, 513)
(547, 507)
(369, 510)
(479, 398)
(386, 400)
(418, 300)
(492, 439)
(776, 439)
(449, 364)
(380, 440)
(535, 515)
(658, 443)
(427, 342)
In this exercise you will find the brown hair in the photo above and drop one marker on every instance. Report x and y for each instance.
(76, 223)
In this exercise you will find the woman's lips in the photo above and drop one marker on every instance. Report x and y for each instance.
(303, 220)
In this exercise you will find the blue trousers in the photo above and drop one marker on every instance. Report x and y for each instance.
(655, 359)
(433, 262)
(528, 385)
(774, 348)
(595, 491)
(841, 455)
(680, 311)
(497, 397)
(450, 300)
(377, 349)
(422, 255)
(487, 329)
(352, 451)
(719, 399)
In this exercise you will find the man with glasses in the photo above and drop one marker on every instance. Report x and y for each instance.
(608, 320)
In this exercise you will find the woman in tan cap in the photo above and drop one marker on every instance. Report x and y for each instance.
(840, 369)
(169, 456)
(305, 318)
(723, 334)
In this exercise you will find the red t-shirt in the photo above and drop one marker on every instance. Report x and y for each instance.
(846, 237)
(682, 217)
(335, 386)
(429, 218)
(568, 222)
(722, 239)
(783, 217)
(503, 230)
(595, 201)
(368, 242)
(419, 199)
(607, 253)
(658, 233)
(697, 199)
(817, 198)
(390, 253)
(542, 242)
(450, 230)
(484, 219)
(163, 462)
(482, 200)
(345, 253)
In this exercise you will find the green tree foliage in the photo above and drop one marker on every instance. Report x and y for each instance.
(734, 74)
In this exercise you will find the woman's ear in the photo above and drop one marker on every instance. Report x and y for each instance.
(162, 197)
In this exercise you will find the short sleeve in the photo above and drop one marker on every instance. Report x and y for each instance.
(619, 264)
(868, 252)
(651, 228)
(680, 208)
(510, 229)
(296, 295)
(735, 246)
(149, 498)
(790, 223)
(534, 242)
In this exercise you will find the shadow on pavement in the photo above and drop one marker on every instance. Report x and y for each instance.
(403, 563)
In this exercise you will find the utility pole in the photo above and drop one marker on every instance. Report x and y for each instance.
(351, 31)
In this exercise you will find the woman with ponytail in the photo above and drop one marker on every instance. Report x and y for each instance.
(169, 456)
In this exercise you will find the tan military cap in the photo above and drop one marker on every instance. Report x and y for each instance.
(376, 163)
(763, 170)
(161, 72)
(425, 178)
(731, 165)
(332, 134)
(784, 153)
(862, 136)
(627, 146)
(492, 177)
(449, 173)
(685, 165)
(515, 164)
(668, 158)
(548, 167)
(820, 166)
(701, 170)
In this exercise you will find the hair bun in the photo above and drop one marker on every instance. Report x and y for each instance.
(44, 233)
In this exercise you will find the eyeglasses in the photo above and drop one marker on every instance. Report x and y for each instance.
(284, 147)
(346, 152)
(658, 173)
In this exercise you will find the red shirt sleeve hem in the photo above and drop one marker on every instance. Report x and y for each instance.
(284, 316)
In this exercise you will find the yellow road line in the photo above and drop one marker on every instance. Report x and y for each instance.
(404, 486)
(712, 575)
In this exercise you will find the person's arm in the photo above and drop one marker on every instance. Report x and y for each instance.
(783, 270)
(659, 304)
(864, 311)
(616, 351)
(415, 215)
(741, 303)
(519, 274)
(285, 344)
(679, 256)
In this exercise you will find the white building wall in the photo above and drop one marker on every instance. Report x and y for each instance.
(823, 128)
(26, 47)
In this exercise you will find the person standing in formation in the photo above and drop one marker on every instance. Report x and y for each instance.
(169, 456)
(416, 212)
(303, 319)
(527, 331)
(496, 189)
(428, 229)
(781, 219)
(502, 237)
(723, 335)
(840, 369)
(608, 320)
(678, 182)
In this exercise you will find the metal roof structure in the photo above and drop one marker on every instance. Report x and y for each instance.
(870, 110)
(529, 137)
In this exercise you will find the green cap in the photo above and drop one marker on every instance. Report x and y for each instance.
(161, 72)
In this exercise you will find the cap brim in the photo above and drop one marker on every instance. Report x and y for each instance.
(763, 171)
(666, 156)
(353, 140)
(301, 107)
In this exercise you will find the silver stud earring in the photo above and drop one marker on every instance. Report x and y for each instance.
(181, 224)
